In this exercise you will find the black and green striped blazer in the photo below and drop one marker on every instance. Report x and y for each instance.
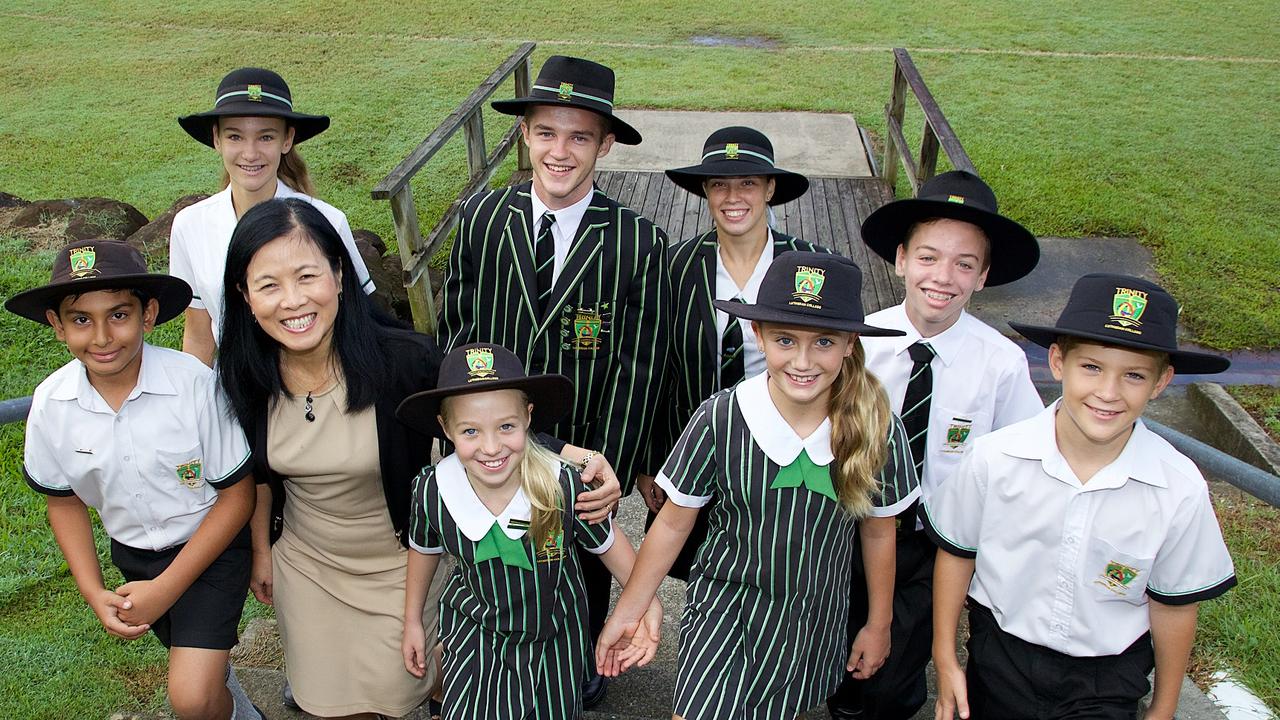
(603, 327)
(693, 360)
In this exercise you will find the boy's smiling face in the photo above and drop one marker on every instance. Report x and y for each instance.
(104, 330)
(1105, 389)
(942, 264)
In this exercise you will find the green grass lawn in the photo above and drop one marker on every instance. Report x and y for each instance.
(1087, 119)
(1263, 403)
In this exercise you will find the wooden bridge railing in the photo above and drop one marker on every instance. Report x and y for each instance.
(415, 251)
(937, 131)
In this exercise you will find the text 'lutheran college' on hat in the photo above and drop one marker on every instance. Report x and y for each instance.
(482, 367)
(956, 195)
(740, 152)
(574, 82)
(88, 265)
(810, 289)
(253, 92)
(1128, 312)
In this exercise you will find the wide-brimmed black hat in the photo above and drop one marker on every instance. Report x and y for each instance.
(89, 265)
(482, 367)
(1125, 311)
(738, 152)
(957, 195)
(253, 92)
(573, 82)
(810, 289)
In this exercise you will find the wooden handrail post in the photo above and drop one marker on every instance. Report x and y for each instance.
(928, 154)
(896, 110)
(476, 152)
(524, 87)
(409, 240)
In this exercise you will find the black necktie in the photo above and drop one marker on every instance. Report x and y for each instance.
(733, 362)
(915, 404)
(544, 258)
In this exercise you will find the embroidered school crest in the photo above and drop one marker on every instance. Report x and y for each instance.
(809, 282)
(1117, 577)
(566, 91)
(255, 93)
(191, 473)
(586, 329)
(731, 151)
(552, 550)
(956, 199)
(957, 434)
(82, 260)
(1127, 307)
(480, 364)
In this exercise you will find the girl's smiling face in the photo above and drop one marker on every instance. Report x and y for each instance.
(489, 432)
(251, 148)
(802, 362)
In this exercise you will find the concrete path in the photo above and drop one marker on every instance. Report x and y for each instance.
(820, 144)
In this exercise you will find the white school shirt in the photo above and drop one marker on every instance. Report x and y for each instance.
(1069, 566)
(152, 470)
(200, 237)
(980, 383)
(727, 289)
(565, 229)
(474, 519)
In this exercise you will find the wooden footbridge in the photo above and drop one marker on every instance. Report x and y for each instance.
(830, 214)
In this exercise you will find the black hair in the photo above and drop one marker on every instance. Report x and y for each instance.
(143, 297)
(249, 358)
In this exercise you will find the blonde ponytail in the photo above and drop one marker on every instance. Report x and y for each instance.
(540, 480)
(860, 416)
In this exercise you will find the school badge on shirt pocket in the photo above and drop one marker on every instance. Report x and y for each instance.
(584, 327)
(1120, 576)
(191, 473)
(957, 434)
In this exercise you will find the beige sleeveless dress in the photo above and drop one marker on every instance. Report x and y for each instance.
(339, 573)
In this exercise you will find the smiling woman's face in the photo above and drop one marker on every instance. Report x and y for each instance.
(293, 293)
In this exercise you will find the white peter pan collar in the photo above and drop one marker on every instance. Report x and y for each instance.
(772, 433)
(470, 514)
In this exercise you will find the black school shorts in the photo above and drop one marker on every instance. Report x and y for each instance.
(207, 615)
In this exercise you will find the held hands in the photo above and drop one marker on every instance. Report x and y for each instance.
(260, 577)
(107, 606)
(148, 600)
(652, 493)
(870, 649)
(596, 505)
(625, 644)
(413, 646)
(953, 693)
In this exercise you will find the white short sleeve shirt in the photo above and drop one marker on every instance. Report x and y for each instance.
(1072, 566)
(201, 235)
(980, 383)
(152, 470)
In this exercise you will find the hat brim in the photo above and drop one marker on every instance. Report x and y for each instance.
(551, 396)
(1014, 249)
(200, 125)
(622, 132)
(759, 313)
(1188, 362)
(172, 294)
(787, 185)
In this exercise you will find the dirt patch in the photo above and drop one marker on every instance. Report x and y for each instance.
(40, 238)
(259, 646)
(751, 41)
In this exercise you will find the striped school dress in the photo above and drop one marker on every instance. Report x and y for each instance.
(763, 634)
(513, 618)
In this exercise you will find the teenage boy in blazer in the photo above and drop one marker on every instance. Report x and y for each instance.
(571, 281)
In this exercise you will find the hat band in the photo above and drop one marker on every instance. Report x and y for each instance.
(738, 151)
(258, 95)
(561, 92)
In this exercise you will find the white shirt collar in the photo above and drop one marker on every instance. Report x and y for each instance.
(152, 379)
(727, 288)
(470, 514)
(947, 345)
(772, 433)
(1138, 460)
(567, 219)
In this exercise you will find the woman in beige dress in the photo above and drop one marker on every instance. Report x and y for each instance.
(314, 373)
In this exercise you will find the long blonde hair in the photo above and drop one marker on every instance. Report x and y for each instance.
(860, 417)
(292, 170)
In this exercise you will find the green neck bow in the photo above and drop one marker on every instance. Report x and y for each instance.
(496, 544)
(803, 471)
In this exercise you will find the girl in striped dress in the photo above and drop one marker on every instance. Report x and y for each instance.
(513, 617)
(798, 459)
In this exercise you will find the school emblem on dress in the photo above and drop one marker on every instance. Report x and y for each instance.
(1127, 306)
(956, 199)
(809, 282)
(191, 473)
(566, 91)
(731, 151)
(82, 260)
(480, 364)
(552, 550)
(1117, 577)
(255, 93)
(957, 434)
(586, 329)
